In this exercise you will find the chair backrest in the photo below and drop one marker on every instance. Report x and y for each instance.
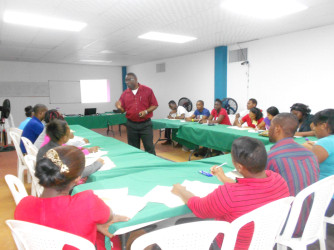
(16, 137)
(16, 130)
(199, 235)
(323, 193)
(16, 187)
(37, 237)
(31, 148)
(30, 161)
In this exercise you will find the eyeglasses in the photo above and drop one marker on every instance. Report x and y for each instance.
(129, 79)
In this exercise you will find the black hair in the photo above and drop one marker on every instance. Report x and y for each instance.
(325, 116)
(288, 122)
(49, 174)
(28, 111)
(272, 111)
(201, 102)
(257, 112)
(220, 101)
(254, 101)
(52, 114)
(250, 153)
(171, 102)
(56, 129)
(39, 107)
(132, 74)
(304, 109)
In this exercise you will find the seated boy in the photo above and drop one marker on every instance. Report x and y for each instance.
(235, 198)
(200, 113)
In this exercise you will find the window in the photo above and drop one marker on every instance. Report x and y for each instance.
(93, 91)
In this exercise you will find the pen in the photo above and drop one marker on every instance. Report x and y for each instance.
(221, 165)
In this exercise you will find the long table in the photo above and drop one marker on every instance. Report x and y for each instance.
(97, 121)
(140, 172)
(219, 137)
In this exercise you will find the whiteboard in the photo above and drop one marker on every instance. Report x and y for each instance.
(23, 89)
(64, 92)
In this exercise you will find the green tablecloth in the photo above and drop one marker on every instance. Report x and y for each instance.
(141, 181)
(218, 137)
(167, 123)
(122, 154)
(173, 124)
(140, 172)
(97, 121)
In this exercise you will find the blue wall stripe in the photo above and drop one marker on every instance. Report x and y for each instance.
(221, 72)
(123, 77)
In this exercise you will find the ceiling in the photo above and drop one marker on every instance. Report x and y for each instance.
(114, 25)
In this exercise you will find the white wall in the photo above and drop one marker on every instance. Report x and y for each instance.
(296, 67)
(189, 76)
(15, 72)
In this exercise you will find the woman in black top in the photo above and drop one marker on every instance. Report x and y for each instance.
(305, 119)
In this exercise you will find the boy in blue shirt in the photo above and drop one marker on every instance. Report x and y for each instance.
(200, 113)
(35, 126)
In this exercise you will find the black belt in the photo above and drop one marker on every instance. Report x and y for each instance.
(148, 120)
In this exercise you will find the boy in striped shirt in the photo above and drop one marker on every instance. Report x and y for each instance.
(236, 198)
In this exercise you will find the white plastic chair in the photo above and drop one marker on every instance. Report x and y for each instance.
(16, 188)
(31, 148)
(30, 236)
(36, 189)
(200, 235)
(314, 230)
(329, 220)
(15, 134)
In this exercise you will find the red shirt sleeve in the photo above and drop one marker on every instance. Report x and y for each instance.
(214, 205)
(153, 100)
(244, 119)
(260, 120)
(213, 112)
(121, 99)
(223, 112)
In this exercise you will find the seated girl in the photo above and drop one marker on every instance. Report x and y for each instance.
(83, 214)
(44, 139)
(59, 133)
(271, 113)
(253, 119)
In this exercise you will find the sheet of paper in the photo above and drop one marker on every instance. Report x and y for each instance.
(77, 141)
(90, 161)
(108, 164)
(163, 194)
(234, 174)
(110, 194)
(199, 188)
(237, 128)
(97, 154)
(252, 131)
(128, 205)
(120, 202)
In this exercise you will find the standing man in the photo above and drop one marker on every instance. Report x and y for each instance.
(139, 102)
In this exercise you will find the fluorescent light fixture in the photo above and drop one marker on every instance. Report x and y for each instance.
(164, 37)
(264, 9)
(42, 21)
(95, 61)
(107, 52)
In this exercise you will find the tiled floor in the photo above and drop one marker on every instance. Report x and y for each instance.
(8, 161)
